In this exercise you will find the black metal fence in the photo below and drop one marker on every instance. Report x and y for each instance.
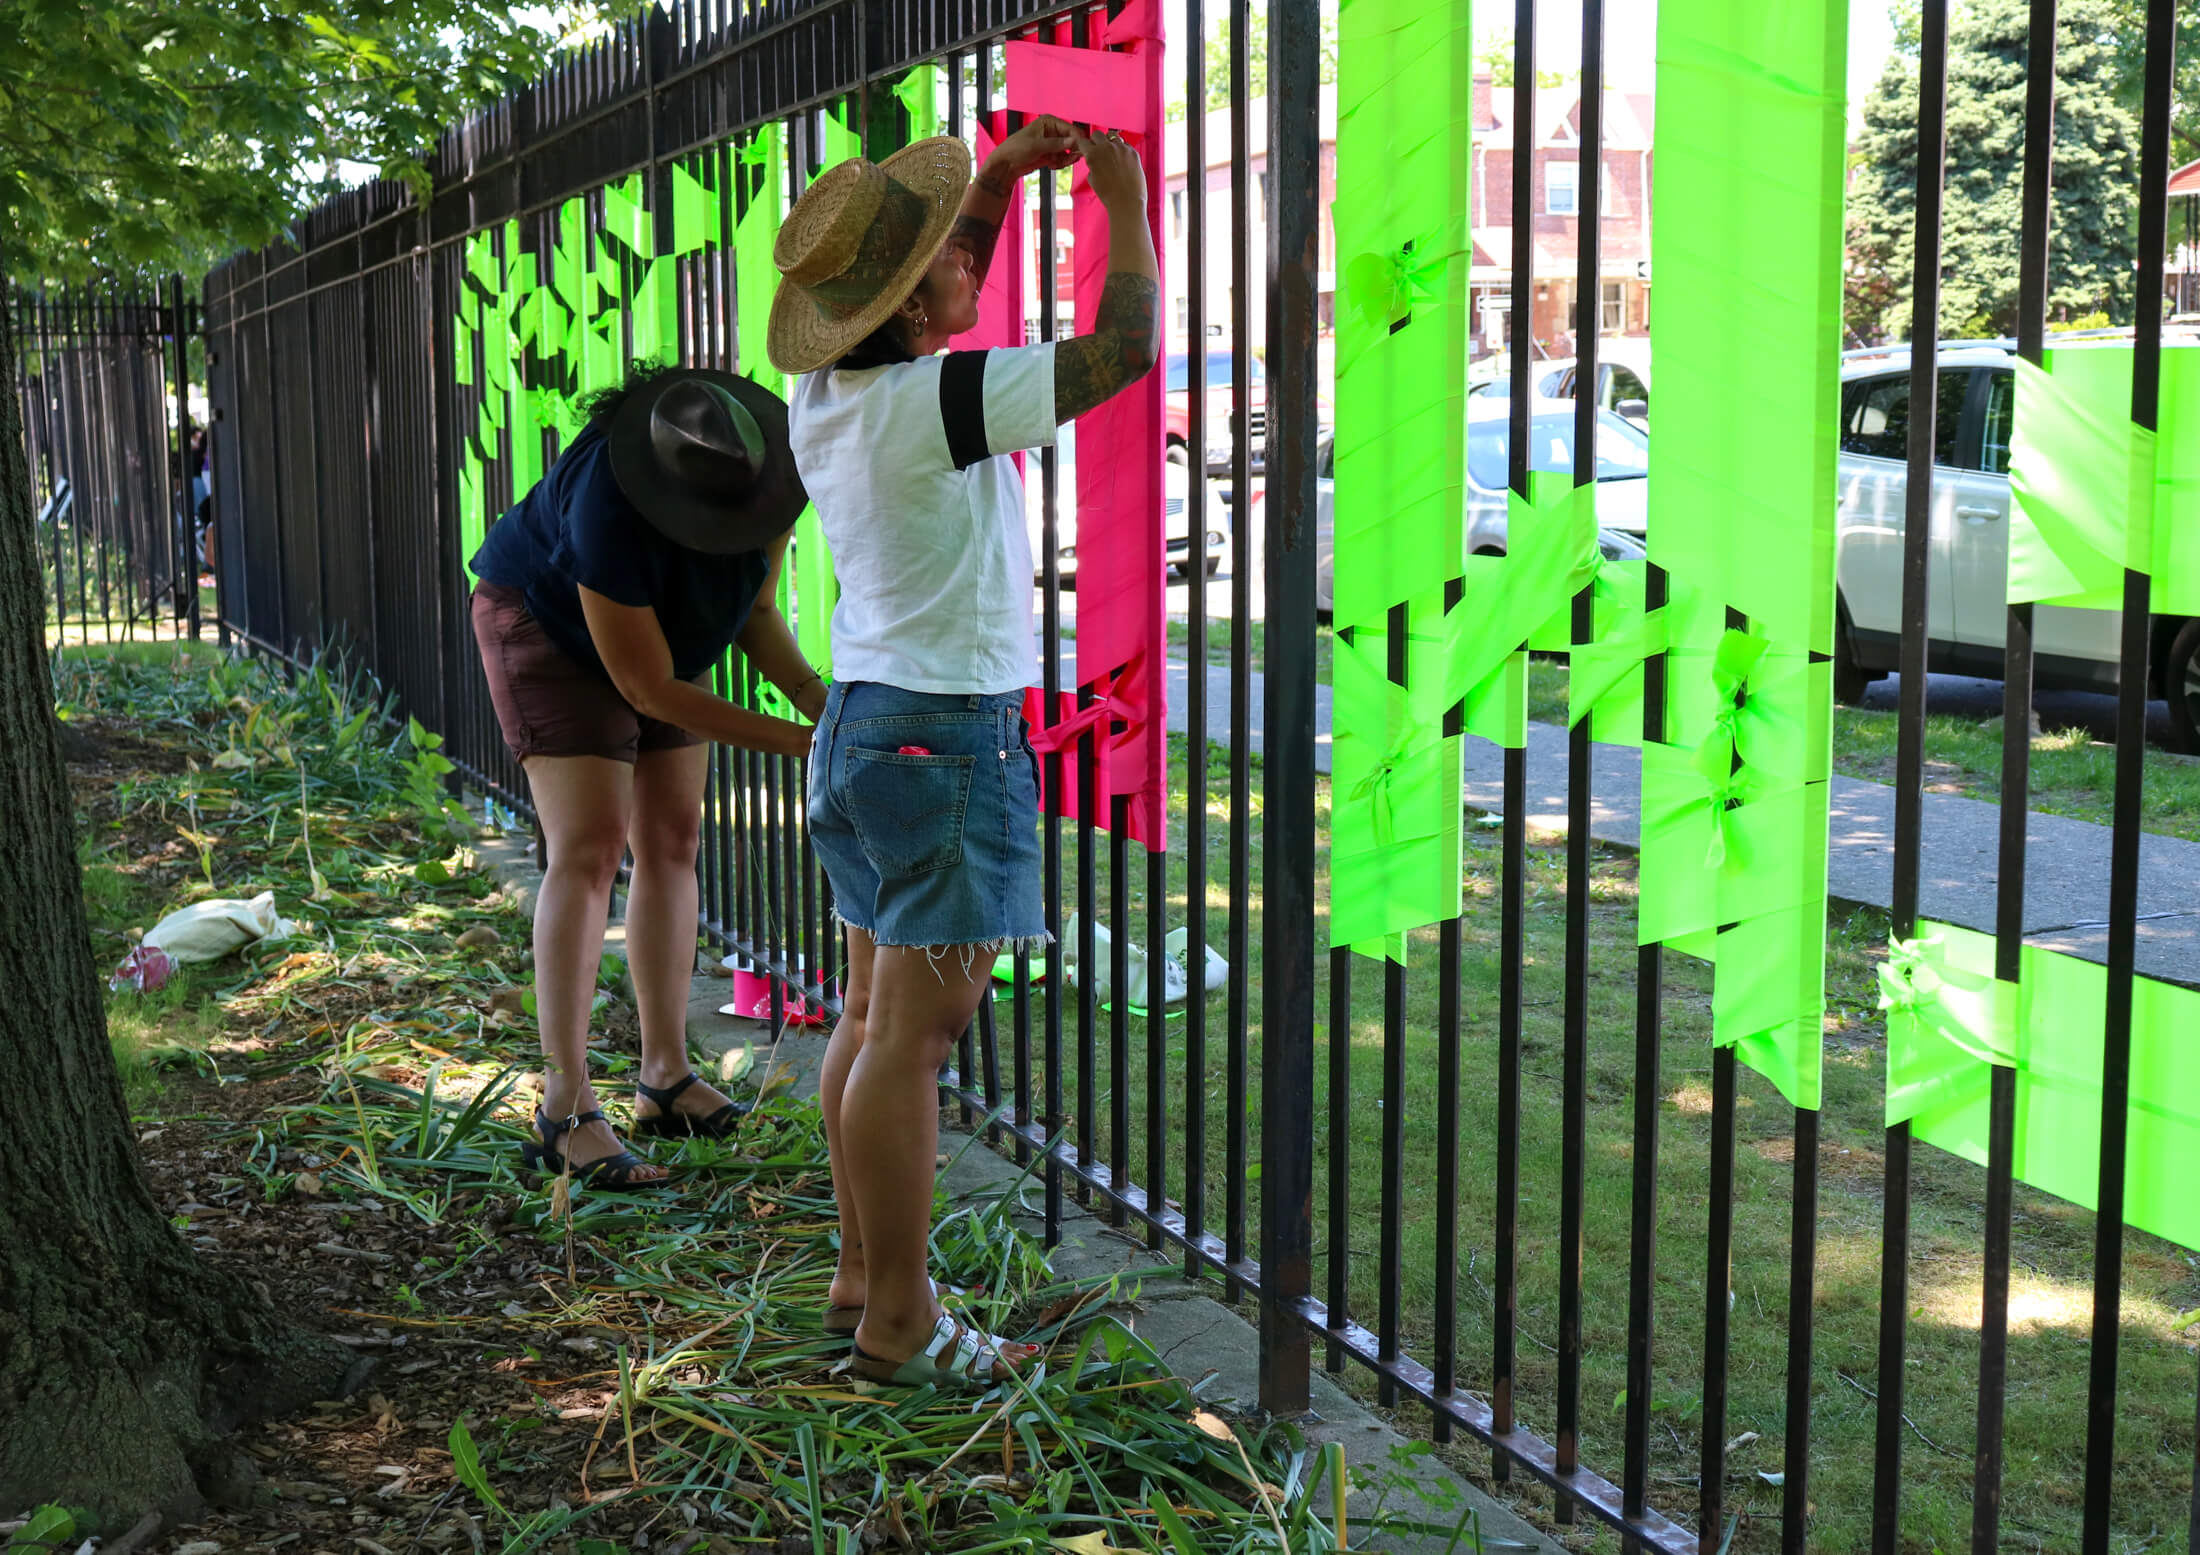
(103, 378)
(369, 378)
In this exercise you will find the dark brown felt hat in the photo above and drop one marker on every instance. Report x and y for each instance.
(704, 457)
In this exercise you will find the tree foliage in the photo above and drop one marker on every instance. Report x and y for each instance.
(161, 133)
(1256, 54)
(2094, 229)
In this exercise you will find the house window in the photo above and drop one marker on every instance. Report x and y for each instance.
(1615, 308)
(1264, 190)
(1183, 314)
(1562, 188)
(1176, 210)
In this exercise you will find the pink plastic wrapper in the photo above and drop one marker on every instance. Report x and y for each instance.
(143, 970)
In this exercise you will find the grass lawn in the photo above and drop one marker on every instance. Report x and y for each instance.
(2053, 1240)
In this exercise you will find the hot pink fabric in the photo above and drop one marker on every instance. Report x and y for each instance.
(1121, 641)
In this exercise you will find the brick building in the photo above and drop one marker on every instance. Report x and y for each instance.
(1623, 301)
(1624, 291)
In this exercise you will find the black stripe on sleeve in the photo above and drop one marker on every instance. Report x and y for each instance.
(962, 406)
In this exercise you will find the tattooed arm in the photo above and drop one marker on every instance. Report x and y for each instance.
(1125, 341)
(1046, 142)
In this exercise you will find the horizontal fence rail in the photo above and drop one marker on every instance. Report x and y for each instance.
(1491, 1122)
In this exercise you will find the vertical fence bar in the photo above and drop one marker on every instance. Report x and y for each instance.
(1195, 675)
(1580, 851)
(1243, 532)
(2016, 755)
(1390, 1200)
(2131, 754)
(1050, 671)
(1340, 1151)
(1089, 1148)
(1649, 1088)
(1718, 1303)
(1446, 1336)
(1512, 885)
(1894, 1251)
(1288, 788)
(186, 544)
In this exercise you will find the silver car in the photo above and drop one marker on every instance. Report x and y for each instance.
(1623, 379)
(1623, 463)
(1968, 561)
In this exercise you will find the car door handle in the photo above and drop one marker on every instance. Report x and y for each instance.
(1980, 515)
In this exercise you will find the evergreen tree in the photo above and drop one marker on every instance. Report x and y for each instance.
(2095, 221)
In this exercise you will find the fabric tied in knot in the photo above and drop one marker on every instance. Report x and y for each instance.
(1385, 287)
(1972, 1010)
(916, 91)
(1100, 712)
(1736, 659)
(1375, 789)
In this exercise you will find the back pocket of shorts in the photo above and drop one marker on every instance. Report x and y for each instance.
(909, 810)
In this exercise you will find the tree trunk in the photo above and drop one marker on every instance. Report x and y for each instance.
(124, 1358)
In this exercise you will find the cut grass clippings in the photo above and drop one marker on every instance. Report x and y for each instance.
(337, 1116)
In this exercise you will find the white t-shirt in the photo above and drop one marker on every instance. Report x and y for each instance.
(908, 467)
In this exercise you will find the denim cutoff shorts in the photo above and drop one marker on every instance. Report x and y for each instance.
(938, 849)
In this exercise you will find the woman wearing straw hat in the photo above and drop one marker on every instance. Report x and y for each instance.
(923, 789)
(605, 597)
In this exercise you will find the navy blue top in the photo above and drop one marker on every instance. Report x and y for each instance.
(575, 529)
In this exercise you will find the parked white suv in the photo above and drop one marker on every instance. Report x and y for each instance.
(1968, 565)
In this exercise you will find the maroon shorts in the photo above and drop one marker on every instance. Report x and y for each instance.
(548, 703)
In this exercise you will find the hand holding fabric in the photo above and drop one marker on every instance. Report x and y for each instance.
(1046, 142)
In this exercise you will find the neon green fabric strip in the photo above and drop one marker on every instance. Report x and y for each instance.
(696, 213)
(919, 92)
(1748, 256)
(1404, 132)
(625, 221)
(1949, 1023)
(2072, 534)
(1748, 253)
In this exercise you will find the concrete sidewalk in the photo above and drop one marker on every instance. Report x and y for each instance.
(2066, 869)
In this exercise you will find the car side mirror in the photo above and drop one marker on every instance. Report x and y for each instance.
(1633, 410)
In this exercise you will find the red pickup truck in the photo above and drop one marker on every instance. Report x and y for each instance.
(1219, 429)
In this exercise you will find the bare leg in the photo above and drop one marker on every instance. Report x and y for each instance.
(661, 916)
(889, 1132)
(849, 1284)
(583, 802)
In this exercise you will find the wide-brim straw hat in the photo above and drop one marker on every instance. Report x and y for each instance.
(856, 245)
(703, 456)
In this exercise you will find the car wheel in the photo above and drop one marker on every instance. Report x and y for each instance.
(2181, 685)
(1850, 679)
(1179, 455)
(1214, 564)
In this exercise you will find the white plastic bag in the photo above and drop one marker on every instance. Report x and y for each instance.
(1140, 971)
(210, 930)
(1179, 943)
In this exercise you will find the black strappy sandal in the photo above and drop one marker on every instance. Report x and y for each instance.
(611, 1171)
(668, 1123)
